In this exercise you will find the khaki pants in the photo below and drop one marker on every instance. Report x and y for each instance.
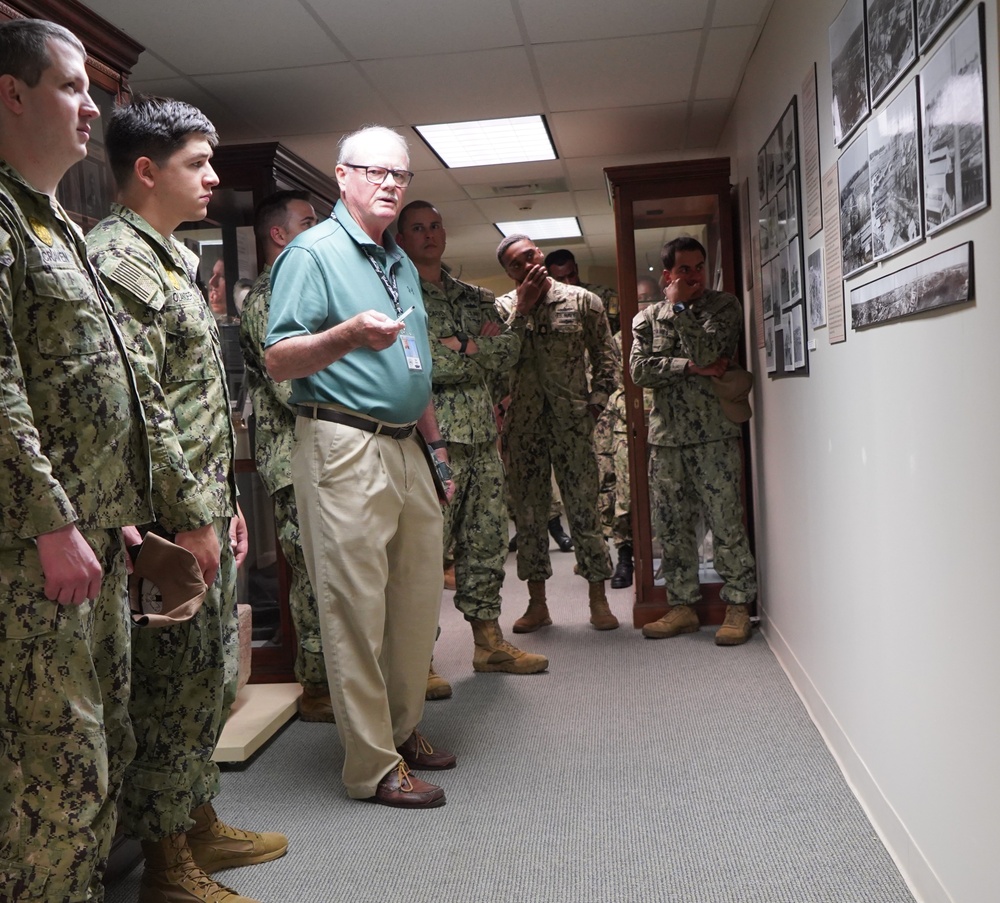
(372, 537)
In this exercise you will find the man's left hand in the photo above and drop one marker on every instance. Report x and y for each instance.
(239, 539)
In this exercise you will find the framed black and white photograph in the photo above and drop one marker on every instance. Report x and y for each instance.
(932, 17)
(798, 338)
(767, 296)
(940, 281)
(773, 153)
(855, 206)
(794, 271)
(894, 172)
(764, 233)
(953, 106)
(776, 147)
(781, 216)
(792, 203)
(788, 357)
(815, 296)
(849, 70)
(892, 44)
(780, 275)
(762, 177)
(772, 226)
(789, 139)
(770, 360)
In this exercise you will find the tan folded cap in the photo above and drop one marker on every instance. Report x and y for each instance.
(165, 586)
(733, 389)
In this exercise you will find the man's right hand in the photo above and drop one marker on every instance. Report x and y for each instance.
(716, 368)
(71, 569)
(374, 330)
(203, 543)
(531, 289)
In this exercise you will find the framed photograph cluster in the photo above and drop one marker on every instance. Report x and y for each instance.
(920, 164)
(782, 276)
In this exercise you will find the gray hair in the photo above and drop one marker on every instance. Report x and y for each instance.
(350, 143)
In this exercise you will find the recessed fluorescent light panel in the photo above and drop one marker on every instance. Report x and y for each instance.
(543, 229)
(488, 142)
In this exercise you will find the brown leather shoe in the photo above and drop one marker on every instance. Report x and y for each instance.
(418, 753)
(401, 789)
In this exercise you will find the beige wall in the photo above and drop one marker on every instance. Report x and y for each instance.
(878, 509)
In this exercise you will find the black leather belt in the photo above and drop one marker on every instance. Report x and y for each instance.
(370, 426)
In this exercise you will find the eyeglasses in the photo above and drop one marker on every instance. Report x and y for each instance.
(377, 174)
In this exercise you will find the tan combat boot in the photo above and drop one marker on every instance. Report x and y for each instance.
(494, 653)
(437, 686)
(678, 619)
(171, 875)
(537, 614)
(215, 845)
(315, 705)
(735, 630)
(600, 613)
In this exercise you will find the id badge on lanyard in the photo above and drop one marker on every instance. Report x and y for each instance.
(410, 348)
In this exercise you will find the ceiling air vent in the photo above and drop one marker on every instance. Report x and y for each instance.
(516, 189)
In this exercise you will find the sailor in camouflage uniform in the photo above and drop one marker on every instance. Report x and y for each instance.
(550, 423)
(678, 345)
(75, 470)
(470, 346)
(184, 676)
(278, 219)
(562, 267)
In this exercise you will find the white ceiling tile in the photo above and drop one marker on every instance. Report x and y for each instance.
(740, 12)
(596, 133)
(707, 122)
(726, 53)
(383, 29)
(230, 125)
(593, 203)
(551, 21)
(591, 75)
(458, 86)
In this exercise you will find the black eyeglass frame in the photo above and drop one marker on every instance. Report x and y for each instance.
(395, 173)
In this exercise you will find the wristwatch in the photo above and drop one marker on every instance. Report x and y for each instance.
(463, 342)
(680, 307)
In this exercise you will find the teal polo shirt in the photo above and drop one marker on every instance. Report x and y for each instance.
(324, 278)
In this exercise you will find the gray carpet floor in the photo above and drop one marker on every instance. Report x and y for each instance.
(634, 771)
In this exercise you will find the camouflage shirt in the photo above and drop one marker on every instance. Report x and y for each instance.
(463, 384)
(686, 410)
(608, 296)
(174, 345)
(72, 438)
(274, 415)
(567, 330)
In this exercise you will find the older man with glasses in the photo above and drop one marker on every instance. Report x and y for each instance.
(348, 326)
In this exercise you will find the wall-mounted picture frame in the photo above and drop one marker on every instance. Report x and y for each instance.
(932, 18)
(787, 345)
(780, 275)
(940, 281)
(894, 173)
(761, 177)
(794, 272)
(849, 70)
(798, 338)
(792, 223)
(770, 360)
(892, 44)
(767, 295)
(815, 296)
(855, 206)
(953, 107)
(789, 140)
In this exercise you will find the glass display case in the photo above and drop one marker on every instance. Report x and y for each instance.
(653, 204)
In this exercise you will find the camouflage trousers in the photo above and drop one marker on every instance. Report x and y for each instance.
(533, 449)
(183, 686)
(621, 523)
(475, 528)
(65, 737)
(604, 451)
(685, 482)
(310, 668)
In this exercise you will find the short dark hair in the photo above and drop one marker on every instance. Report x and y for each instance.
(507, 242)
(684, 243)
(24, 51)
(559, 258)
(154, 127)
(273, 211)
(413, 205)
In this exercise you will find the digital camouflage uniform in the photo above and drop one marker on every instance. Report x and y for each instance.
(183, 676)
(549, 426)
(694, 464)
(274, 433)
(604, 449)
(609, 298)
(475, 521)
(73, 450)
